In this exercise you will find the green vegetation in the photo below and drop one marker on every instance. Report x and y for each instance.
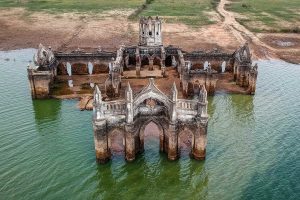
(72, 5)
(268, 15)
(190, 12)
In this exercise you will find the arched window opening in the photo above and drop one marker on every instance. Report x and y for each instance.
(116, 144)
(185, 143)
(152, 139)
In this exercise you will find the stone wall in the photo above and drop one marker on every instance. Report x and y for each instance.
(40, 83)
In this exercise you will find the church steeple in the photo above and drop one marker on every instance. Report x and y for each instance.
(150, 31)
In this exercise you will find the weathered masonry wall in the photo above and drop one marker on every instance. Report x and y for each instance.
(194, 69)
(40, 82)
(131, 115)
(197, 72)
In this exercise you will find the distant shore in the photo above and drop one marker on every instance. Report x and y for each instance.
(71, 31)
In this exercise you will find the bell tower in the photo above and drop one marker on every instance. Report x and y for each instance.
(150, 32)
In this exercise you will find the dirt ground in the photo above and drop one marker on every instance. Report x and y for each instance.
(224, 84)
(66, 31)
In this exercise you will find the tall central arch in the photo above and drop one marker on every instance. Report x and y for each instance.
(161, 133)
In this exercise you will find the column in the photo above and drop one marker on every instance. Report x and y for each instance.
(40, 83)
(130, 147)
(172, 142)
(101, 141)
(151, 64)
(199, 148)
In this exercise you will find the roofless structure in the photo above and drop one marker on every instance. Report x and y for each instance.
(116, 105)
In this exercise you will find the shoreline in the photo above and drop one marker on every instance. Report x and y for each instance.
(69, 31)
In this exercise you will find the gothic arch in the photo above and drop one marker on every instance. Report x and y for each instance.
(168, 61)
(131, 60)
(186, 140)
(151, 92)
(112, 145)
(79, 68)
(144, 61)
(197, 66)
(62, 69)
(161, 132)
(99, 68)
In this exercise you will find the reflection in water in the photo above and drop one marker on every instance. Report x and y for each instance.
(151, 175)
(151, 147)
(182, 179)
(116, 143)
(242, 106)
(46, 110)
(47, 148)
(185, 139)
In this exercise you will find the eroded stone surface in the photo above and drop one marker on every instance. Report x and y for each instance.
(196, 73)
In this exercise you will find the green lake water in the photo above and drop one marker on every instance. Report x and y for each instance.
(253, 150)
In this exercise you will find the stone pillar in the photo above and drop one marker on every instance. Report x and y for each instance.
(138, 62)
(252, 82)
(237, 74)
(151, 64)
(127, 61)
(138, 66)
(101, 141)
(172, 142)
(199, 148)
(39, 83)
(234, 71)
(230, 65)
(163, 70)
(130, 148)
(138, 70)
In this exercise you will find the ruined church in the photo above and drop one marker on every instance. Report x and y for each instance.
(173, 95)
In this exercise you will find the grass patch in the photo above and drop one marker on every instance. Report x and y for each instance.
(273, 15)
(190, 12)
(72, 5)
